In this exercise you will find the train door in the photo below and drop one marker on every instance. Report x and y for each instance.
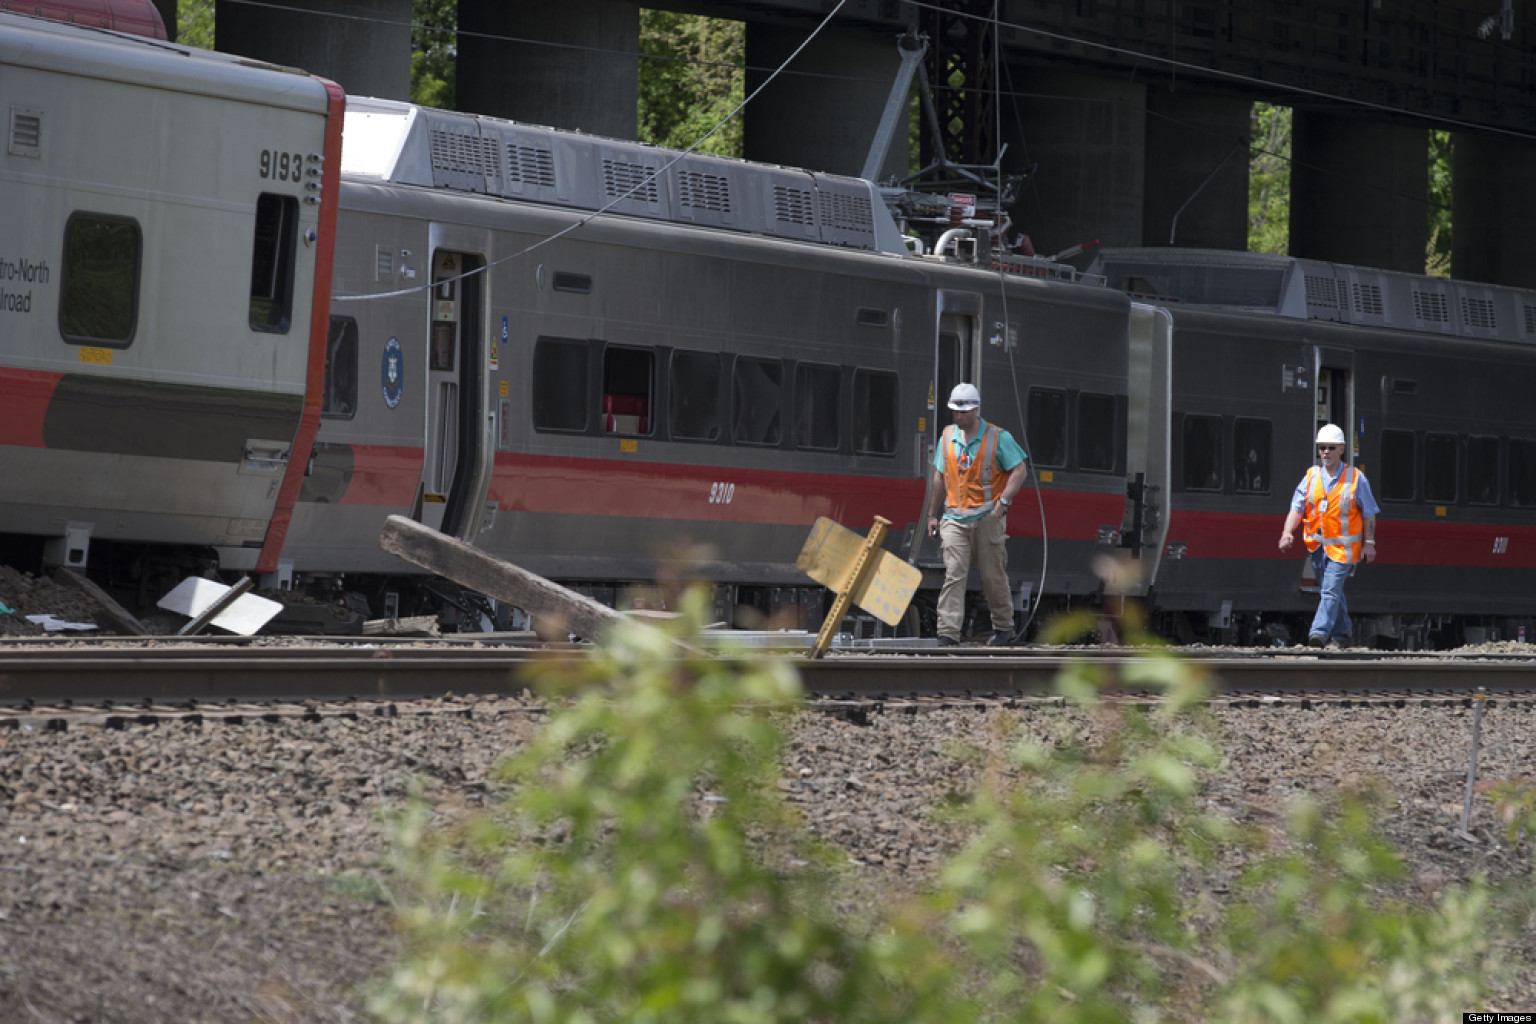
(956, 357)
(455, 471)
(1335, 403)
(1145, 525)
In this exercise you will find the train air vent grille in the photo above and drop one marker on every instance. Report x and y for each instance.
(530, 165)
(26, 132)
(1479, 313)
(1368, 299)
(636, 181)
(1530, 319)
(792, 205)
(874, 318)
(1431, 306)
(383, 263)
(463, 153)
(846, 213)
(699, 191)
(1322, 291)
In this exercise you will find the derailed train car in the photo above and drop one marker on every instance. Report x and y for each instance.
(168, 220)
(243, 349)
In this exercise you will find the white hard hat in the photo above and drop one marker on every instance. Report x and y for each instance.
(965, 396)
(1330, 434)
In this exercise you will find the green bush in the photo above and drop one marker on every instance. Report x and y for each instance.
(644, 869)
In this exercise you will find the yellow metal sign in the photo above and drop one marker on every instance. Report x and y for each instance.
(831, 557)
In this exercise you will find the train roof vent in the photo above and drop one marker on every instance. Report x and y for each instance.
(1479, 313)
(530, 165)
(1322, 292)
(26, 132)
(1368, 299)
(698, 190)
(845, 213)
(793, 205)
(383, 263)
(631, 181)
(462, 158)
(1530, 318)
(1430, 308)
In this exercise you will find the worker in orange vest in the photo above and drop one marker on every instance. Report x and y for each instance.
(978, 468)
(1335, 504)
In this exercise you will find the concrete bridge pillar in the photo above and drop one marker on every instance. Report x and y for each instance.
(1085, 137)
(364, 45)
(1358, 191)
(822, 111)
(1493, 217)
(1197, 170)
(581, 71)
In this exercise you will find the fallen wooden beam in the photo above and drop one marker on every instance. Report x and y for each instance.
(547, 602)
(120, 617)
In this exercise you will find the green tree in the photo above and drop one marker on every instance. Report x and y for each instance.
(194, 23)
(434, 52)
(691, 77)
(1269, 179)
(1438, 257)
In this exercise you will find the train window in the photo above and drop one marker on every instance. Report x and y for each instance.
(1096, 433)
(99, 295)
(1397, 465)
(560, 385)
(1483, 470)
(758, 391)
(1047, 428)
(818, 423)
(1202, 453)
(339, 401)
(627, 376)
(1250, 456)
(954, 367)
(1522, 472)
(874, 412)
(1440, 468)
(272, 253)
(695, 404)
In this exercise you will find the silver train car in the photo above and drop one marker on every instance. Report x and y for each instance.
(164, 276)
(253, 326)
(682, 384)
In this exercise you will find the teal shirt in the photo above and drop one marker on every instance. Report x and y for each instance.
(1008, 455)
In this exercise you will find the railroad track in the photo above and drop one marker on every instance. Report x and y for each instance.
(203, 676)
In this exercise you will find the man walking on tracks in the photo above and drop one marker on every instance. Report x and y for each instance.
(978, 468)
(1334, 502)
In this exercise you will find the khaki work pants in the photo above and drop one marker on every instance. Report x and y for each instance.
(980, 540)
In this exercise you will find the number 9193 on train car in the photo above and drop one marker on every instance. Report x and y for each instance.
(280, 166)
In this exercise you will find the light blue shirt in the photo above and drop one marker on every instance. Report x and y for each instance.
(1363, 496)
(1008, 454)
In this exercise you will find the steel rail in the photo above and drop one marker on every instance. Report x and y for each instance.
(211, 675)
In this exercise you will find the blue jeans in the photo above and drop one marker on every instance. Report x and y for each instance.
(1332, 619)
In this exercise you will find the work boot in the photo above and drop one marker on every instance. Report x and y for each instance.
(1000, 639)
(948, 641)
(1317, 640)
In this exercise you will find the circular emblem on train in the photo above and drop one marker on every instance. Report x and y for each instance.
(393, 372)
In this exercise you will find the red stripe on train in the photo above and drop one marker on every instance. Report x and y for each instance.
(1440, 542)
(388, 475)
(24, 397)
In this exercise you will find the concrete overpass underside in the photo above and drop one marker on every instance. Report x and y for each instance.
(1131, 115)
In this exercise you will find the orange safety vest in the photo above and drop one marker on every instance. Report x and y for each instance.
(1333, 517)
(968, 489)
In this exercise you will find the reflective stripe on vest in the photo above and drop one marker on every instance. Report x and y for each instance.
(973, 481)
(1341, 528)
